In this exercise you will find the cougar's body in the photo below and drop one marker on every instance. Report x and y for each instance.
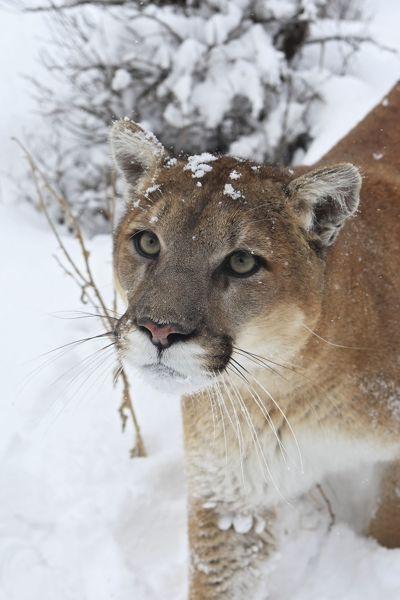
(270, 299)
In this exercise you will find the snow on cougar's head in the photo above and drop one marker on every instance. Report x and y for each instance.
(216, 258)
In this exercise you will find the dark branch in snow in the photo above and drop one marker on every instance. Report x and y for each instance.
(52, 6)
(352, 40)
(325, 498)
(75, 4)
(291, 37)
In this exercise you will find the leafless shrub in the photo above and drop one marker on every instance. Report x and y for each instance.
(237, 76)
(82, 275)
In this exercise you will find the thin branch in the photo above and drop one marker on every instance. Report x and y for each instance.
(352, 40)
(332, 515)
(43, 207)
(86, 282)
(126, 405)
(75, 4)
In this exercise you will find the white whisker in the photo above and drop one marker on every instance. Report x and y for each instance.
(222, 422)
(332, 343)
(239, 431)
(257, 399)
(211, 400)
(268, 477)
(285, 419)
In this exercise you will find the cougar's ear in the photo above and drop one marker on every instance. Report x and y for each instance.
(136, 152)
(324, 198)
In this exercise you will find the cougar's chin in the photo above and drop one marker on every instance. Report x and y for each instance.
(168, 380)
(176, 370)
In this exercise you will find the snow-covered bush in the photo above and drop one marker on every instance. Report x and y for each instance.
(235, 76)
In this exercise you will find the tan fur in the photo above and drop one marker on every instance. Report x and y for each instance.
(323, 321)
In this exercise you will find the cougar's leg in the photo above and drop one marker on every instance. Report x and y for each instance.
(224, 563)
(385, 525)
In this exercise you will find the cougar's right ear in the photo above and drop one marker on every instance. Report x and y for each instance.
(137, 153)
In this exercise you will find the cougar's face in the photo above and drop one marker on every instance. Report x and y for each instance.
(219, 259)
(207, 271)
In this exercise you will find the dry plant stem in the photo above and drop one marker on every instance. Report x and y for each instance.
(87, 284)
(351, 40)
(328, 505)
(74, 4)
(138, 449)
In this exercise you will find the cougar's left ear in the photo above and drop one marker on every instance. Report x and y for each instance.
(324, 198)
(136, 152)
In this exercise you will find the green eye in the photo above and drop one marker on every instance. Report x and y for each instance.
(242, 264)
(147, 244)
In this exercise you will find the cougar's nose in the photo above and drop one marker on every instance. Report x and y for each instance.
(165, 334)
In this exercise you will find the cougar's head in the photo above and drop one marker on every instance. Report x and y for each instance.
(217, 257)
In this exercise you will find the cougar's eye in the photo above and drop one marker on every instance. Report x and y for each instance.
(147, 244)
(242, 264)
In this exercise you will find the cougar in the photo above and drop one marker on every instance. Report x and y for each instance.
(269, 299)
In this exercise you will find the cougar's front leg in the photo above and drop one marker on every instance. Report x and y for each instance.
(385, 526)
(226, 563)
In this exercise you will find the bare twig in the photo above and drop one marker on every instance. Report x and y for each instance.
(352, 40)
(85, 280)
(328, 505)
(126, 406)
(74, 4)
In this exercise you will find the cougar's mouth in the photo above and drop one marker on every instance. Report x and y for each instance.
(163, 371)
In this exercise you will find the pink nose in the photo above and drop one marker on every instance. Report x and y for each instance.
(160, 333)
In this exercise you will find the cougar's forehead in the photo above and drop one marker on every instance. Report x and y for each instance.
(230, 203)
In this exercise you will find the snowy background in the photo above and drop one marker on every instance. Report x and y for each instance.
(79, 519)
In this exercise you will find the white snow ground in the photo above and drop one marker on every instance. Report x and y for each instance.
(79, 520)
